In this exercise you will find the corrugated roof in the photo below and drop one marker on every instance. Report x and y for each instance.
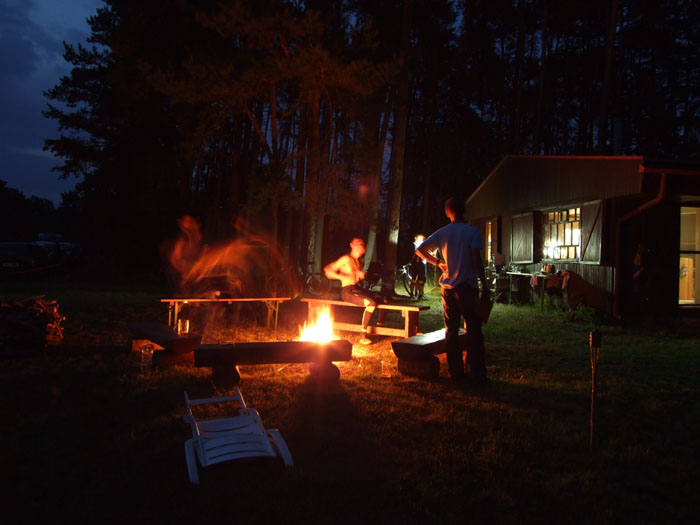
(527, 182)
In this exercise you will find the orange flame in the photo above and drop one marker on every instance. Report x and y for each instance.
(321, 330)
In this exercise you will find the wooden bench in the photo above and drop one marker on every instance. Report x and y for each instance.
(409, 312)
(169, 349)
(271, 303)
(416, 355)
(225, 358)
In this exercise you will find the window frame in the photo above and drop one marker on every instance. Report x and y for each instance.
(557, 224)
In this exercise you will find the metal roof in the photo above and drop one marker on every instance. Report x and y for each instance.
(528, 182)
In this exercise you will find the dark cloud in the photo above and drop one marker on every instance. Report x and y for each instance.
(17, 55)
(32, 33)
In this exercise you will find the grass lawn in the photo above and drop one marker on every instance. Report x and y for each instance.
(87, 438)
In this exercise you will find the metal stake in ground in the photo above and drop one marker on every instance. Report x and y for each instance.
(595, 339)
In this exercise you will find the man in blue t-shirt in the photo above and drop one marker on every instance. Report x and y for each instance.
(460, 246)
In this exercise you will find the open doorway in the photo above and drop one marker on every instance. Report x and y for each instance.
(688, 278)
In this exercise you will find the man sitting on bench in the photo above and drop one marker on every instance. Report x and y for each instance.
(348, 270)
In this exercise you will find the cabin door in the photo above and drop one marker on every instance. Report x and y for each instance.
(689, 268)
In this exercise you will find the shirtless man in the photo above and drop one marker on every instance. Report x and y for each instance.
(348, 270)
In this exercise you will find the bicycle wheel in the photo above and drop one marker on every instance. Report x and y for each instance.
(318, 285)
(406, 282)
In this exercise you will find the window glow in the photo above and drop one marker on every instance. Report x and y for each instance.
(561, 234)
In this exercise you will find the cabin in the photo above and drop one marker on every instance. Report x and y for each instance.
(600, 219)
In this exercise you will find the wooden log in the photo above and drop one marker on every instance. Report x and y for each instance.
(421, 347)
(163, 358)
(165, 336)
(326, 373)
(225, 376)
(272, 352)
(428, 368)
(167, 358)
(169, 349)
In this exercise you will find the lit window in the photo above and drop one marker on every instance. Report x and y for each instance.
(489, 251)
(561, 234)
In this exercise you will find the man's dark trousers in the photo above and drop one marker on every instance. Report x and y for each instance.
(459, 302)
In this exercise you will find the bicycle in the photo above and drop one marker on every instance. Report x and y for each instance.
(403, 277)
(389, 280)
(314, 283)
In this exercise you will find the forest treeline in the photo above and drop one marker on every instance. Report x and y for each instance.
(315, 121)
(23, 218)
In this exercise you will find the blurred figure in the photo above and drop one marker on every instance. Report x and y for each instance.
(188, 246)
(185, 250)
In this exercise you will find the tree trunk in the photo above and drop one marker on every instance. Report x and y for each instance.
(314, 195)
(399, 142)
(298, 254)
(377, 143)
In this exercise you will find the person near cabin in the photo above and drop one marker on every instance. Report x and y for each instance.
(417, 268)
(348, 269)
(460, 247)
(638, 281)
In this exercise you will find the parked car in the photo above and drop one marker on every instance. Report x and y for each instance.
(18, 257)
(35, 256)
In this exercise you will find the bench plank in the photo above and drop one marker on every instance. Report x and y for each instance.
(420, 347)
(409, 312)
(394, 306)
(273, 352)
(375, 330)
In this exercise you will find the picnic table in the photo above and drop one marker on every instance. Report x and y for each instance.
(271, 303)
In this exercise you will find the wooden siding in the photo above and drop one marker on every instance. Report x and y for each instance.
(591, 232)
(523, 183)
(523, 238)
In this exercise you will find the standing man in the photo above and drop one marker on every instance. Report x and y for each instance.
(348, 270)
(460, 245)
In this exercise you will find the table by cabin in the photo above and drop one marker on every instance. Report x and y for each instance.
(540, 280)
(547, 280)
(511, 277)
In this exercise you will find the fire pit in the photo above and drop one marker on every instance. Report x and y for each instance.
(317, 346)
(225, 358)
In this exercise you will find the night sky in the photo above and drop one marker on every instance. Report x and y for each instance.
(31, 36)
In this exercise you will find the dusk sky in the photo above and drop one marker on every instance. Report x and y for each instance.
(31, 61)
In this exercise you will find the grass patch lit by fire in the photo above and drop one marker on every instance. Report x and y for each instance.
(88, 437)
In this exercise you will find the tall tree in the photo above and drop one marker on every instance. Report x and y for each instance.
(399, 138)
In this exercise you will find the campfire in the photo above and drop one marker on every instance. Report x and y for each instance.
(320, 331)
(247, 268)
(316, 346)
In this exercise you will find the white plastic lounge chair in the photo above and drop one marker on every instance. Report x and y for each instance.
(219, 439)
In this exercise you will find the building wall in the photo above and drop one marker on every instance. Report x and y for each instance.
(593, 283)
